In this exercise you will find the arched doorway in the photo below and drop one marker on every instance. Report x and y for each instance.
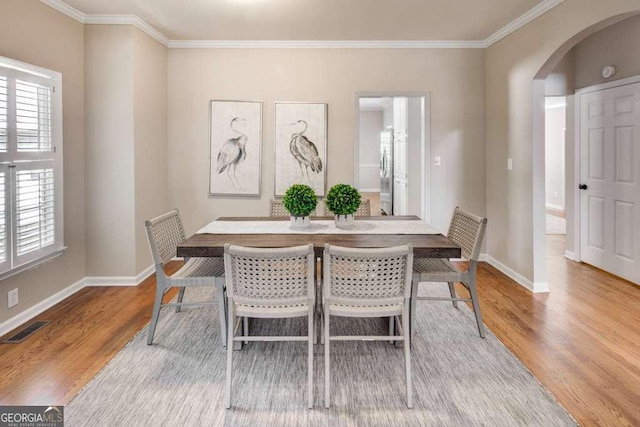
(538, 120)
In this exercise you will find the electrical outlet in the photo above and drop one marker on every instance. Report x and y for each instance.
(509, 164)
(12, 297)
(438, 161)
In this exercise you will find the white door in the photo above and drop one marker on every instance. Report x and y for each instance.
(400, 172)
(610, 171)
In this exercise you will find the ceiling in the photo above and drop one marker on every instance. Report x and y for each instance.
(318, 19)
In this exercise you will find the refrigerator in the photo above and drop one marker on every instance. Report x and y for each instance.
(386, 171)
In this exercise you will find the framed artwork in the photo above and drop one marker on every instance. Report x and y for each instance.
(301, 146)
(235, 148)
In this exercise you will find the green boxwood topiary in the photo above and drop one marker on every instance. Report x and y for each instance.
(300, 200)
(343, 199)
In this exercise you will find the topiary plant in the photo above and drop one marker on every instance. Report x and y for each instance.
(300, 200)
(343, 199)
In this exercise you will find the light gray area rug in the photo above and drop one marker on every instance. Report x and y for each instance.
(459, 379)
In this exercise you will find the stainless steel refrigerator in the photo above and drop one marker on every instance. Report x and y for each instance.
(386, 171)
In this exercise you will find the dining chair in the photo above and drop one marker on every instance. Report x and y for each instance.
(367, 283)
(467, 231)
(165, 233)
(269, 283)
(278, 209)
(364, 209)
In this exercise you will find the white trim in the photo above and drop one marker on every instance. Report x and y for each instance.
(31, 312)
(120, 280)
(554, 207)
(369, 190)
(570, 255)
(326, 44)
(138, 22)
(128, 20)
(535, 287)
(520, 22)
(33, 264)
(64, 8)
(609, 85)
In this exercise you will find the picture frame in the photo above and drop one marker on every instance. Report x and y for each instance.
(235, 148)
(300, 146)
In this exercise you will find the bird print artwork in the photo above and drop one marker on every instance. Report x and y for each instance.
(304, 151)
(232, 153)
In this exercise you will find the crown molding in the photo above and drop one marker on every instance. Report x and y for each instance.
(62, 7)
(520, 22)
(324, 44)
(128, 20)
(136, 21)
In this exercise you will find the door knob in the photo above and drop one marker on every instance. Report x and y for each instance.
(583, 186)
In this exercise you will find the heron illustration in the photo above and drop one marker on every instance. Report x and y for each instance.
(232, 153)
(305, 151)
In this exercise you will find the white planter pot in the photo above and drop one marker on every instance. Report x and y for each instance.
(300, 221)
(343, 221)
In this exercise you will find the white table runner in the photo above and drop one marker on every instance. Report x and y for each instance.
(319, 227)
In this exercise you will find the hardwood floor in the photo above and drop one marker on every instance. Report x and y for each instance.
(582, 341)
(86, 331)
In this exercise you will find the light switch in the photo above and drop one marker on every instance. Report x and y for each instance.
(438, 161)
(509, 164)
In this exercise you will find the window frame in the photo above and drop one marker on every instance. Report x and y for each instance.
(13, 161)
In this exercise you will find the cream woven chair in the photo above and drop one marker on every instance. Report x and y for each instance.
(467, 231)
(367, 283)
(278, 209)
(165, 233)
(364, 209)
(269, 283)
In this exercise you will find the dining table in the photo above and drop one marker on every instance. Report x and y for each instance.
(275, 232)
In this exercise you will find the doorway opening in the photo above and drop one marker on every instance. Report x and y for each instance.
(390, 153)
(555, 170)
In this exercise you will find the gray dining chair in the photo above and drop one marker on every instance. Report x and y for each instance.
(367, 283)
(269, 283)
(165, 233)
(278, 209)
(467, 231)
(364, 209)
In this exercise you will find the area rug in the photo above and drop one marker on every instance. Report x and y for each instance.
(459, 379)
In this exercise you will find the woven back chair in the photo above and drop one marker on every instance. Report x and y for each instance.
(467, 231)
(269, 283)
(278, 209)
(165, 233)
(367, 283)
(364, 209)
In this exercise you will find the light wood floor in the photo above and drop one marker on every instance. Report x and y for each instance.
(582, 341)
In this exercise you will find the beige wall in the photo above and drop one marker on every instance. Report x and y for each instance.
(126, 83)
(150, 135)
(511, 66)
(110, 154)
(555, 124)
(618, 45)
(369, 149)
(54, 42)
(454, 77)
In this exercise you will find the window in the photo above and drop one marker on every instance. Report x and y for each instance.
(30, 166)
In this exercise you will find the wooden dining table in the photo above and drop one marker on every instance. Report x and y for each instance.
(424, 245)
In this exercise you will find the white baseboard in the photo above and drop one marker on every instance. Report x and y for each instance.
(31, 312)
(535, 287)
(570, 255)
(369, 190)
(119, 280)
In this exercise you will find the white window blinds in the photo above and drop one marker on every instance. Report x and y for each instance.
(4, 118)
(30, 167)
